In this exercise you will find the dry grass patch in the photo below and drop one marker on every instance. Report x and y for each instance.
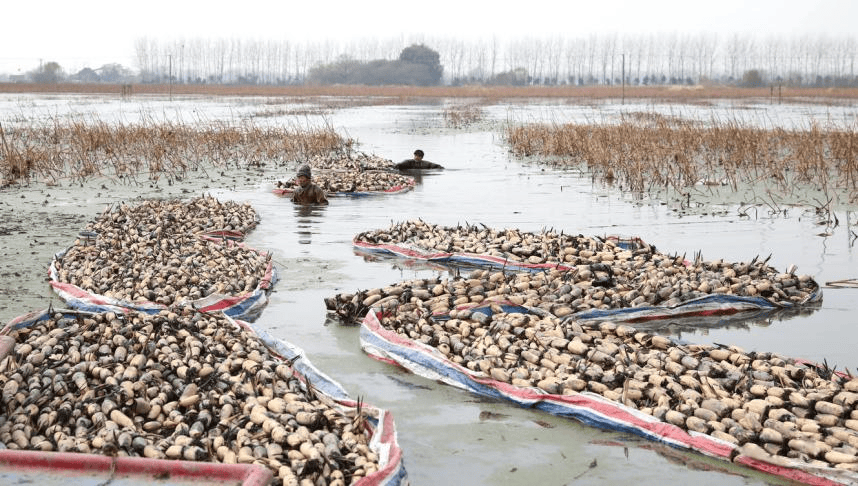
(87, 147)
(643, 153)
(460, 116)
(404, 94)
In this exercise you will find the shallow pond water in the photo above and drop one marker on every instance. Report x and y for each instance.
(452, 437)
(440, 428)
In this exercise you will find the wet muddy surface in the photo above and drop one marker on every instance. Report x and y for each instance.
(447, 434)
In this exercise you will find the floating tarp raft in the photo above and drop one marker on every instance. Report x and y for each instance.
(165, 253)
(352, 175)
(190, 386)
(591, 278)
(415, 253)
(356, 161)
(778, 415)
(352, 183)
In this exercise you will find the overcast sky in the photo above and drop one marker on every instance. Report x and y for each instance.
(90, 33)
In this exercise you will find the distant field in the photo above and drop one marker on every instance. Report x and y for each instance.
(678, 93)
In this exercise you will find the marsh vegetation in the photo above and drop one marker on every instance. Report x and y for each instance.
(83, 147)
(644, 152)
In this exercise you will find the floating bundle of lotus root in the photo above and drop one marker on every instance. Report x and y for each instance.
(345, 181)
(352, 161)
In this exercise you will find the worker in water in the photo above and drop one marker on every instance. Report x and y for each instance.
(417, 163)
(307, 192)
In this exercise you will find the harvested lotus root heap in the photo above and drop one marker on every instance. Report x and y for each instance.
(186, 386)
(354, 161)
(595, 273)
(769, 406)
(354, 181)
(153, 252)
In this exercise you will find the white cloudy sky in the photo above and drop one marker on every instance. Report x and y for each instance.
(81, 33)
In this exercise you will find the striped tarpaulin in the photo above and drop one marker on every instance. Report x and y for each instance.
(285, 192)
(710, 305)
(383, 441)
(247, 306)
(382, 429)
(137, 470)
(405, 251)
(586, 407)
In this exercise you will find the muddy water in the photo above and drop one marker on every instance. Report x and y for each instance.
(452, 437)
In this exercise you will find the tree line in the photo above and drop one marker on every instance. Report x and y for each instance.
(739, 59)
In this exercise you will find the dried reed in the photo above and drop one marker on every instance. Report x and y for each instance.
(643, 153)
(460, 116)
(682, 94)
(85, 147)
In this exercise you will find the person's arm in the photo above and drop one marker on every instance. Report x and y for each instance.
(405, 164)
(320, 196)
(300, 195)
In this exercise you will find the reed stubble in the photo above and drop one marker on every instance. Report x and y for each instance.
(645, 153)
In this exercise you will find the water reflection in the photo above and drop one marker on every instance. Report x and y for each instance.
(418, 174)
(676, 456)
(398, 263)
(739, 320)
(306, 221)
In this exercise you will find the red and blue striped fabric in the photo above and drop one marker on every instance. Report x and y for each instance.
(382, 429)
(588, 408)
(405, 251)
(383, 440)
(247, 306)
(286, 192)
(709, 305)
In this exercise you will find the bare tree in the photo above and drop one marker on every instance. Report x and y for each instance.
(710, 51)
(494, 57)
(734, 52)
(535, 50)
(144, 56)
(772, 53)
(650, 58)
